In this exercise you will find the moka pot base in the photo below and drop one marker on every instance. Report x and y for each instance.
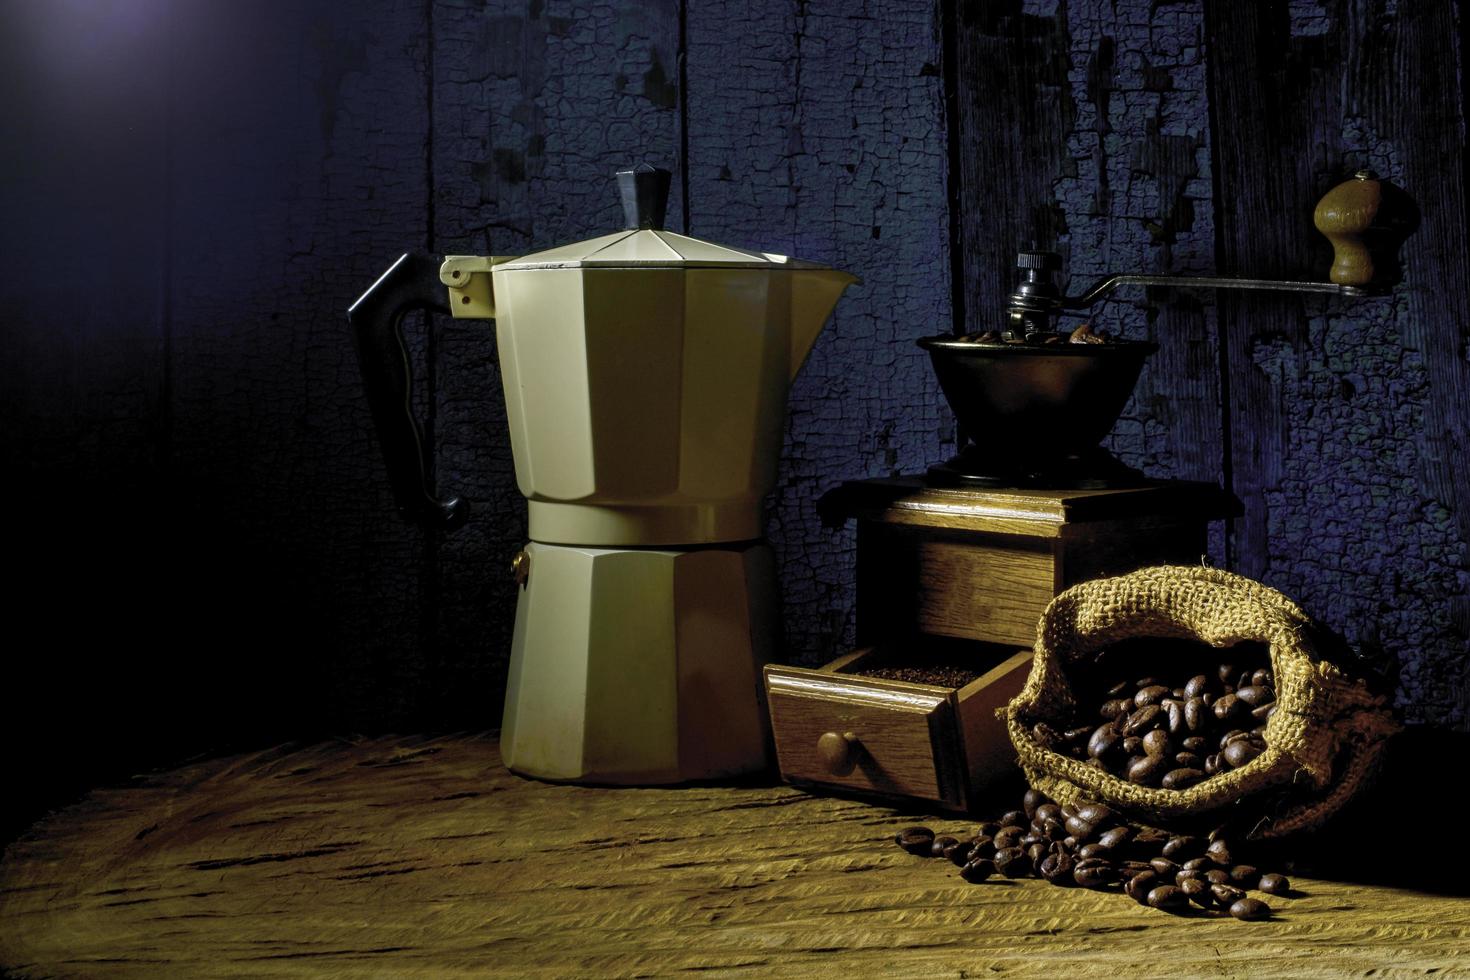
(640, 666)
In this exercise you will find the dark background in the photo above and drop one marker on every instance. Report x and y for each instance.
(203, 551)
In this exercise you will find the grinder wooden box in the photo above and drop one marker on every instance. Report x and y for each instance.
(983, 564)
(970, 570)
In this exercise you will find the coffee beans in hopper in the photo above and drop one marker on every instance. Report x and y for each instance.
(1092, 846)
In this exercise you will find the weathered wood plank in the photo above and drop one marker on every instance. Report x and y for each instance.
(817, 129)
(1342, 415)
(83, 367)
(297, 174)
(423, 857)
(1083, 129)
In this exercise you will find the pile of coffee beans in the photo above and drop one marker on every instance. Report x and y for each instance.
(1173, 728)
(1092, 846)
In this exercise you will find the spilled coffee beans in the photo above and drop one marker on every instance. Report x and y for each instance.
(1092, 846)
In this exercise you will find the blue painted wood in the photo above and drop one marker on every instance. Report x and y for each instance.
(817, 129)
(535, 106)
(1345, 418)
(236, 174)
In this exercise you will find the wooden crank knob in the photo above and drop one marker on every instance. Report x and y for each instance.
(838, 752)
(1344, 215)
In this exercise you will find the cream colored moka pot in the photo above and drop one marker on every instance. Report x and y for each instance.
(645, 378)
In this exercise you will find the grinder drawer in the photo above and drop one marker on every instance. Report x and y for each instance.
(865, 734)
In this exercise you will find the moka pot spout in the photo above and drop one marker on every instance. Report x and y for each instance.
(814, 294)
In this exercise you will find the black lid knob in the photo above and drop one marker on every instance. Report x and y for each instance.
(1039, 260)
(645, 193)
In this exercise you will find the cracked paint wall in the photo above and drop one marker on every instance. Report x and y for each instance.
(201, 190)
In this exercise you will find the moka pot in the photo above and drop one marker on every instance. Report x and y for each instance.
(645, 376)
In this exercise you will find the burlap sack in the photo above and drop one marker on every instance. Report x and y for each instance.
(1323, 743)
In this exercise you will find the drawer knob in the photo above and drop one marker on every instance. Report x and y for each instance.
(838, 752)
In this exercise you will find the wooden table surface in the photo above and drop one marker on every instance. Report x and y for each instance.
(425, 858)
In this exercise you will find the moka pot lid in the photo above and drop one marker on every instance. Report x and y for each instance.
(644, 244)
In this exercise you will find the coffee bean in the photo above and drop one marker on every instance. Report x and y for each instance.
(916, 840)
(1264, 712)
(1255, 695)
(1032, 800)
(1164, 867)
(1147, 770)
(989, 828)
(1194, 714)
(1250, 908)
(1132, 869)
(1138, 887)
(1152, 694)
(1226, 895)
(1050, 829)
(1196, 686)
(1151, 839)
(1119, 689)
(1114, 708)
(1012, 862)
(1194, 744)
(1212, 764)
(1104, 742)
(1217, 876)
(1198, 892)
(960, 853)
(1200, 864)
(1132, 746)
(1157, 743)
(977, 871)
(1115, 837)
(1144, 719)
(1245, 876)
(1099, 816)
(1189, 760)
(1274, 884)
(1008, 836)
(1234, 735)
(1092, 851)
(1226, 673)
(1168, 898)
(1180, 779)
(1240, 752)
(937, 846)
(1049, 811)
(981, 846)
(1057, 868)
(1014, 818)
(1177, 723)
(1219, 852)
(1230, 707)
(1262, 677)
(1079, 828)
(1209, 698)
(1183, 847)
(1036, 853)
(1094, 874)
(1181, 876)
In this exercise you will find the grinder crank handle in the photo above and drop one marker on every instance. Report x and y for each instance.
(412, 283)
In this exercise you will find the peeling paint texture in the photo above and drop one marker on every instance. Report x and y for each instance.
(817, 129)
(184, 423)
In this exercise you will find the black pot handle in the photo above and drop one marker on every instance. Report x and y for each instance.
(411, 283)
